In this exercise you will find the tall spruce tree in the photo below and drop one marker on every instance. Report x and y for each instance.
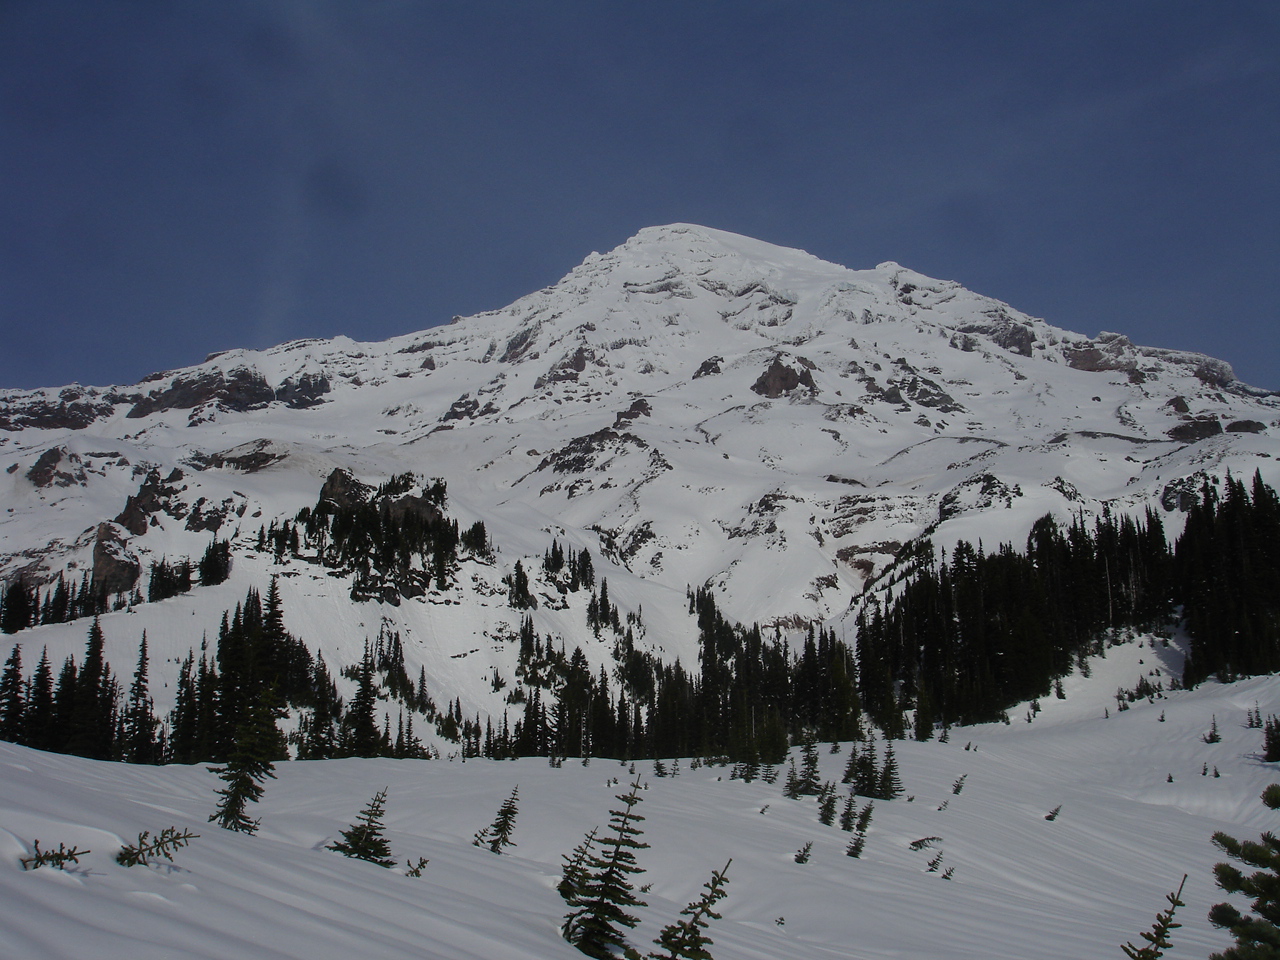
(38, 723)
(13, 699)
(93, 704)
(138, 723)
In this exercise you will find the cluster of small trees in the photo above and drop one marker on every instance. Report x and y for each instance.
(598, 887)
(23, 606)
(967, 636)
(83, 711)
(394, 541)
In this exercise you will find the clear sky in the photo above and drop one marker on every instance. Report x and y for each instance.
(180, 177)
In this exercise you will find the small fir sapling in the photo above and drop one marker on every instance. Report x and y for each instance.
(791, 788)
(1053, 814)
(1271, 739)
(52, 858)
(859, 840)
(848, 814)
(598, 905)
(412, 869)
(827, 810)
(257, 740)
(1212, 736)
(864, 818)
(573, 876)
(959, 785)
(147, 849)
(364, 839)
(1158, 936)
(498, 834)
(684, 939)
(802, 855)
(807, 783)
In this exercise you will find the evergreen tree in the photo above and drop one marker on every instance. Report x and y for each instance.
(1271, 739)
(684, 939)
(139, 724)
(809, 782)
(257, 743)
(890, 786)
(361, 736)
(215, 565)
(38, 723)
(1158, 936)
(827, 809)
(13, 701)
(498, 834)
(364, 839)
(92, 719)
(573, 879)
(16, 611)
(599, 910)
(1257, 936)
(848, 814)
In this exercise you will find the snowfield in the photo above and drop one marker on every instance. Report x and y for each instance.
(1022, 886)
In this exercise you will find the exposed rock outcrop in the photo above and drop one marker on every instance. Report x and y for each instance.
(57, 468)
(115, 568)
(1199, 428)
(780, 379)
(239, 390)
(343, 490)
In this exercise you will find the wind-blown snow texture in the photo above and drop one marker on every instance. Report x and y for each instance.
(696, 408)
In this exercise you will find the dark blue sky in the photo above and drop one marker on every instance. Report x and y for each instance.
(183, 177)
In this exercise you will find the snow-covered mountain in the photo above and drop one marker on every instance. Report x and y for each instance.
(694, 407)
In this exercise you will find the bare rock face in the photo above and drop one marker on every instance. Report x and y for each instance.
(249, 457)
(1004, 331)
(1246, 426)
(153, 496)
(1183, 493)
(306, 391)
(1199, 428)
(1110, 351)
(115, 568)
(239, 390)
(57, 468)
(710, 367)
(74, 408)
(780, 379)
(343, 490)
(640, 408)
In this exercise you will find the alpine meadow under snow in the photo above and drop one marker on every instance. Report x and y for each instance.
(704, 498)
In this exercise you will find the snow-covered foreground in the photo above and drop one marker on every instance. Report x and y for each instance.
(1022, 886)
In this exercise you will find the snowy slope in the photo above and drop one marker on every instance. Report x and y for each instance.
(695, 407)
(1022, 886)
